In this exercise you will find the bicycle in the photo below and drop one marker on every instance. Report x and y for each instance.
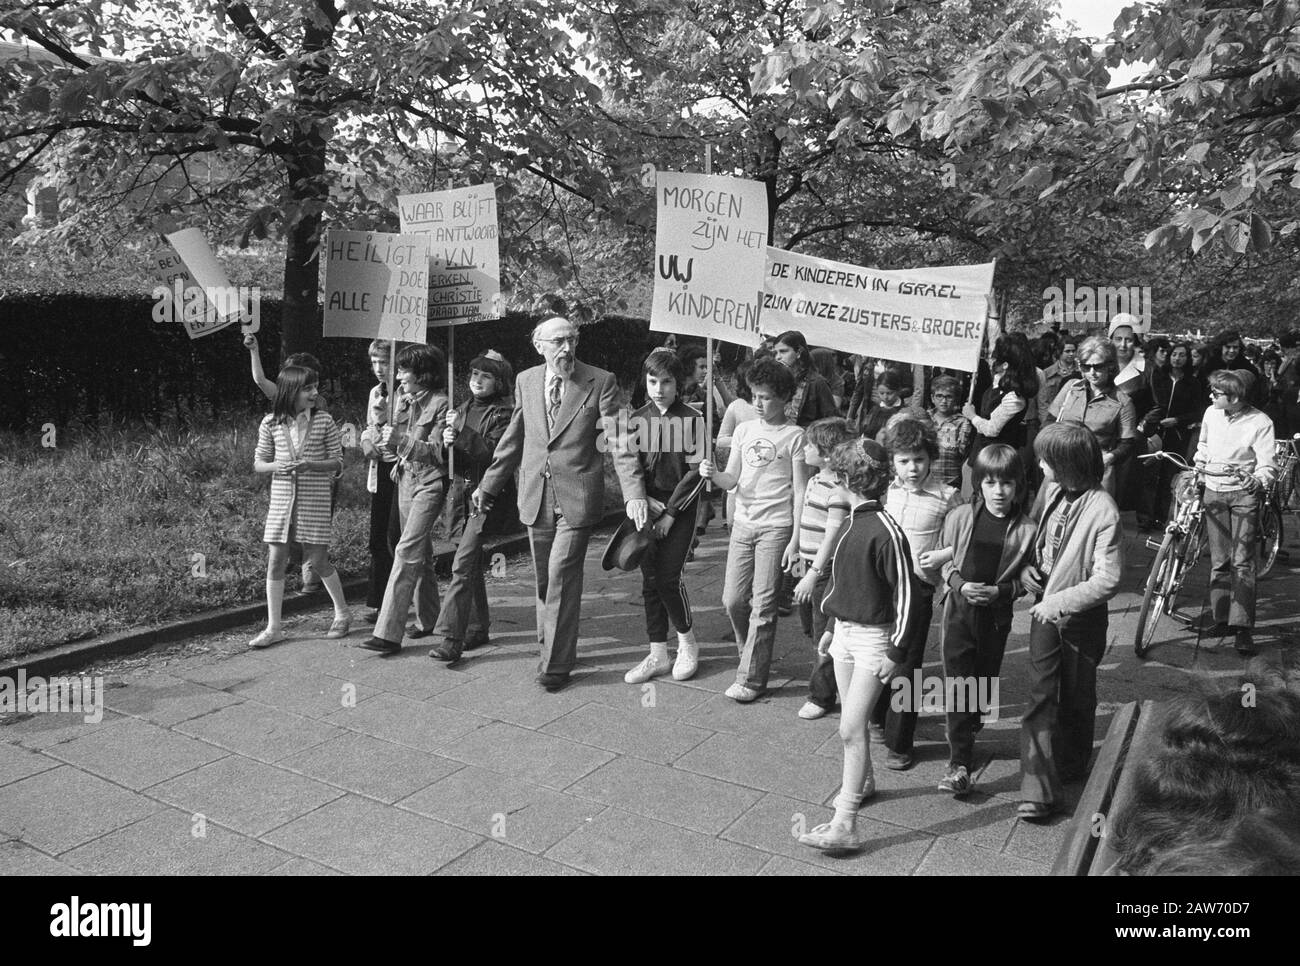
(1183, 544)
(1273, 507)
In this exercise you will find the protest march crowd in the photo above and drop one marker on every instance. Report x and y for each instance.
(862, 493)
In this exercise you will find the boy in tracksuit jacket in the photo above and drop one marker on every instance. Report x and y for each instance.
(473, 430)
(667, 440)
(870, 600)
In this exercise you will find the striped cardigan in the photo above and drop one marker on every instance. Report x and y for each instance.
(300, 499)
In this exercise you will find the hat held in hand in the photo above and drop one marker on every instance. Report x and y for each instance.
(626, 547)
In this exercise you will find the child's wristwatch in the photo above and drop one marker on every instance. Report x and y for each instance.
(816, 570)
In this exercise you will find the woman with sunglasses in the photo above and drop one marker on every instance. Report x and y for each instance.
(1095, 402)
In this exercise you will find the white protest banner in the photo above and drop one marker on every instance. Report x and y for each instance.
(376, 285)
(203, 266)
(464, 254)
(176, 291)
(710, 237)
(931, 316)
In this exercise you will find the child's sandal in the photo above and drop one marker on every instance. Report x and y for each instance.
(830, 838)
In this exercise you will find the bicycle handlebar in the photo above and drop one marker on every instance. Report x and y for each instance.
(1183, 464)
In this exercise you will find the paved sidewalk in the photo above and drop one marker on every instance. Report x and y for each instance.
(316, 757)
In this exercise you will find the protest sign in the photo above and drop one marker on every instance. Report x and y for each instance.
(710, 237)
(203, 266)
(376, 285)
(178, 298)
(464, 255)
(931, 316)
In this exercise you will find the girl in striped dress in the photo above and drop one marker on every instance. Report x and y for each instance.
(299, 446)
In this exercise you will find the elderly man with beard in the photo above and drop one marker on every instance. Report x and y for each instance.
(561, 408)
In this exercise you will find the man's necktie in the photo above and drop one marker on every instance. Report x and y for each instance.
(553, 402)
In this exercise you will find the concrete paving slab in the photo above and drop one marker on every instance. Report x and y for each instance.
(421, 725)
(619, 843)
(361, 837)
(516, 700)
(755, 763)
(59, 809)
(18, 858)
(370, 767)
(136, 754)
(493, 858)
(169, 843)
(45, 730)
(165, 699)
(303, 867)
(527, 755)
(17, 763)
(668, 794)
(779, 865)
(258, 731)
(640, 733)
(954, 857)
(499, 806)
(305, 693)
(245, 795)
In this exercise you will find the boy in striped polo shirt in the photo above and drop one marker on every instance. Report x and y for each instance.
(826, 506)
(919, 502)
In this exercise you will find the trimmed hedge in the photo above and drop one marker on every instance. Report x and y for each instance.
(65, 357)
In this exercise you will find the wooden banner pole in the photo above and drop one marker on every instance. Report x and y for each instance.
(708, 348)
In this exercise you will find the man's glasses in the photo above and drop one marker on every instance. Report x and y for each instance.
(1216, 393)
(562, 340)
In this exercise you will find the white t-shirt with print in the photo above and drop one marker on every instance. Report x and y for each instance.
(763, 457)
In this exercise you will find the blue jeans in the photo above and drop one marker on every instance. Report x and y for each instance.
(749, 595)
(420, 505)
(1232, 526)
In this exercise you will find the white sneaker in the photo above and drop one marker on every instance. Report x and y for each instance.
(647, 669)
(811, 711)
(688, 657)
(742, 694)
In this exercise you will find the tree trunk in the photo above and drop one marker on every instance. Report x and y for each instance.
(300, 318)
(300, 322)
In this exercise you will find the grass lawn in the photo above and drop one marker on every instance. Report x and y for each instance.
(103, 531)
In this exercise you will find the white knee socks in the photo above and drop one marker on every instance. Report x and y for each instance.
(335, 587)
(274, 601)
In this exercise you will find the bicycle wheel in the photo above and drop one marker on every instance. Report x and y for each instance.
(1161, 586)
(1270, 537)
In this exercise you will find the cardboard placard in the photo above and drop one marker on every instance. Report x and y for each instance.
(464, 251)
(710, 244)
(376, 285)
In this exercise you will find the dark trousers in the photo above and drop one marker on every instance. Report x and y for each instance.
(974, 640)
(1056, 730)
(900, 726)
(1232, 527)
(385, 531)
(661, 579)
(464, 615)
(821, 683)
